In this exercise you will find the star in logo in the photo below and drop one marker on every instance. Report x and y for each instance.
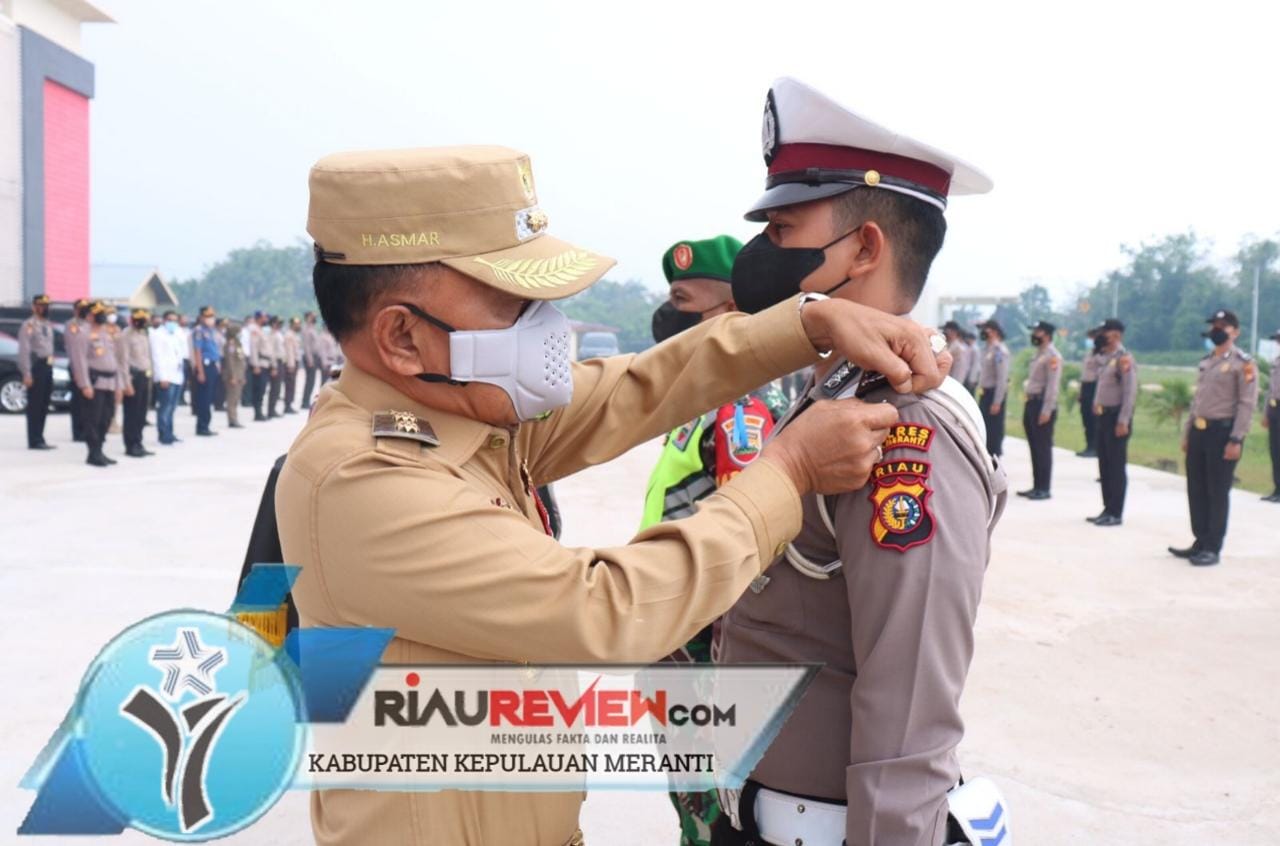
(187, 664)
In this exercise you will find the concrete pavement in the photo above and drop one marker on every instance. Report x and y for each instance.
(1118, 695)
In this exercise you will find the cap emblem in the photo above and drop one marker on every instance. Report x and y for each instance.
(683, 256)
(526, 179)
(554, 272)
(872, 178)
(531, 222)
(769, 130)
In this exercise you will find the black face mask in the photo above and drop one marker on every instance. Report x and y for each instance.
(140, 324)
(765, 274)
(984, 335)
(1099, 343)
(100, 318)
(1037, 341)
(669, 321)
(1217, 335)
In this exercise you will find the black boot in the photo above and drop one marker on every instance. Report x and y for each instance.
(97, 459)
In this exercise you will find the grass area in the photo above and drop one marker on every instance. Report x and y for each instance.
(1156, 441)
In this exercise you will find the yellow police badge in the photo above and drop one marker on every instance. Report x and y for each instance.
(900, 494)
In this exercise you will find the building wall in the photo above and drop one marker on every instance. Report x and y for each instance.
(10, 165)
(49, 19)
(66, 192)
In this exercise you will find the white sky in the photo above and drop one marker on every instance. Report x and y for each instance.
(1101, 123)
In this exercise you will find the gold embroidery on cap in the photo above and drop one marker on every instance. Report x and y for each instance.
(564, 269)
(400, 239)
(526, 178)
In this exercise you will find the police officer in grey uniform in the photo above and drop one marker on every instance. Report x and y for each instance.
(1220, 416)
(135, 376)
(994, 382)
(881, 586)
(1271, 422)
(71, 338)
(1088, 391)
(1114, 402)
(35, 363)
(1040, 413)
(96, 373)
(960, 351)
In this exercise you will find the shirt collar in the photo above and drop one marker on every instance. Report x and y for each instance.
(459, 436)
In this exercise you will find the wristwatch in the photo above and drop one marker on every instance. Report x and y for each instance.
(1235, 440)
(813, 297)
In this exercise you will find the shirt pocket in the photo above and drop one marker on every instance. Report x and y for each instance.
(779, 607)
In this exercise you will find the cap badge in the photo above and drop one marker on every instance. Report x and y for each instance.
(526, 179)
(769, 130)
(683, 256)
(554, 272)
(872, 178)
(531, 222)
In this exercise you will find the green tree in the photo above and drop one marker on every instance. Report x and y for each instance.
(276, 280)
(628, 306)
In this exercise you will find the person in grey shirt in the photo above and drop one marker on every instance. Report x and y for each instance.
(1114, 402)
(994, 382)
(1213, 440)
(1088, 388)
(1040, 413)
(310, 356)
(35, 364)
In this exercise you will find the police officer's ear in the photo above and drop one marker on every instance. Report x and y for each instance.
(867, 252)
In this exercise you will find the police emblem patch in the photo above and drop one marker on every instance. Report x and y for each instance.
(900, 496)
(525, 170)
(742, 451)
(769, 129)
(683, 435)
(682, 256)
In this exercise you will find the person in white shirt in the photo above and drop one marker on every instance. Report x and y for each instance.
(169, 352)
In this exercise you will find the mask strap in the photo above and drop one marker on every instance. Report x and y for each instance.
(433, 378)
(847, 280)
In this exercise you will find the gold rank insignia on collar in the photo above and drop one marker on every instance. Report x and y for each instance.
(404, 424)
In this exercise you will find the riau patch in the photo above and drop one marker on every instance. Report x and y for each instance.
(1249, 371)
(1125, 363)
(743, 452)
(1053, 363)
(900, 496)
(909, 436)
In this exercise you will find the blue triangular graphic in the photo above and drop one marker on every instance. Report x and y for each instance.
(69, 803)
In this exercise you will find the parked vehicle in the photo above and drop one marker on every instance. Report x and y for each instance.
(13, 394)
(597, 345)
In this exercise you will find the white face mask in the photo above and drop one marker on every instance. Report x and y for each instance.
(111, 318)
(529, 360)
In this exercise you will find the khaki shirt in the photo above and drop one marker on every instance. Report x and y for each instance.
(35, 340)
(137, 353)
(1044, 378)
(1117, 384)
(959, 359)
(445, 544)
(1226, 389)
(233, 363)
(290, 349)
(310, 356)
(1273, 390)
(1089, 370)
(94, 362)
(975, 364)
(995, 371)
(259, 355)
(892, 628)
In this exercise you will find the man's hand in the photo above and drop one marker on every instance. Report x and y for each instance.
(28, 381)
(832, 446)
(200, 375)
(1232, 452)
(1185, 445)
(164, 385)
(128, 392)
(1044, 419)
(1122, 430)
(899, 348)
(87, 393)
(257, 370)
(1266, 423)
(995, 408)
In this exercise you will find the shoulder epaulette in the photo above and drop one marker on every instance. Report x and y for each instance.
(404, 424)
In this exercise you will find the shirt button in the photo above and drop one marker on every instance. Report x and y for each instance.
(780, 551)
(497, 441)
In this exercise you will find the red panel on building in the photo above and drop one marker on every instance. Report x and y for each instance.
(66, 192)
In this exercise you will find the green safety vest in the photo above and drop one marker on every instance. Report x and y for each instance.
(679, 479)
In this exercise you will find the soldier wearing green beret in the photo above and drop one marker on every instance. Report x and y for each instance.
(706, 452)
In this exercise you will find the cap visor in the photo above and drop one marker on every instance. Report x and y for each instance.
(544, 268)
(793, 193)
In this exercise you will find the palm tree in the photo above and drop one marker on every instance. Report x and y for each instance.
(1172, 401)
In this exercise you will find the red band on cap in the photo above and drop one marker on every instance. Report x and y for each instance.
(791, 157)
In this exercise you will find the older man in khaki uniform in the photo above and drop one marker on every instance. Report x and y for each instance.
(409, 497)
(881, 587)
